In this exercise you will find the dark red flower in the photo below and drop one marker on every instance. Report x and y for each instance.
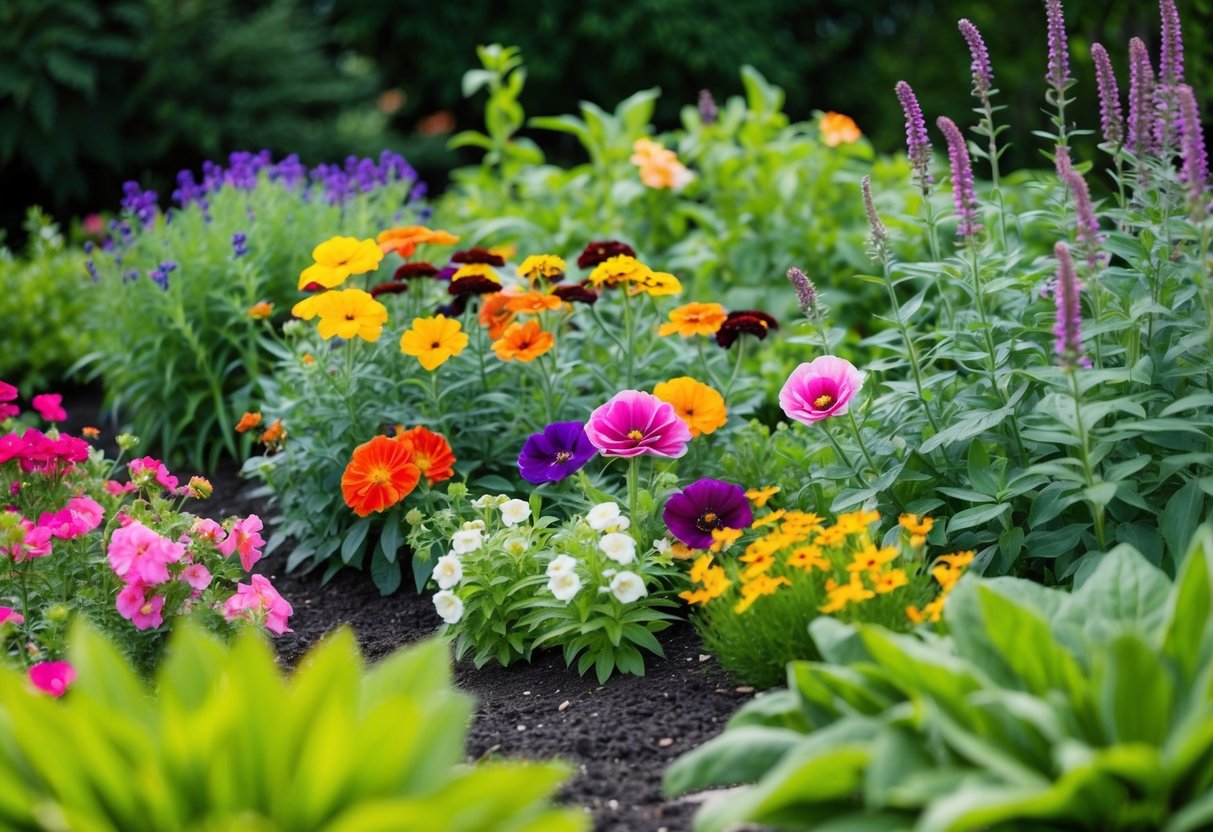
(388, 289)
(478, 255)
(411, 270)
(455, 308)
(745, 322)
(473, 284)
(595, 253)
(575, 293)
(314, 287)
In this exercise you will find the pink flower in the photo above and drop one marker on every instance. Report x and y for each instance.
(144, 471)
(823, 387)
(134, 605)
(34, 542)
(197, 576)
(138, 554)
(117, 489)
(50, 407)
(245, 540)
(259, 601)
(208, 530)
(8, 615)
(52, 677)
(634, 423)
(79, 517)
(9, 411)
(7, 392)
(11, 446)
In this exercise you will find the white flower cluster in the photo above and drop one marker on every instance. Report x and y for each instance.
(626, 586)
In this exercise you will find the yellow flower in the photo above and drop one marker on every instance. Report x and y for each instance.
(681, 551)
(697, 404)
(724, 538)
(547, 266)
(857, 521)
(656, 284)
(618, 269)
(700, 568)
(505, 251)
(958, 560)
(261, 310)
(338, 258)
(350, 313)
(404, 240)
(809, 558)
(838, 129)
(768, 518)
(434, 340)
(531, 303)
(889, 580)
(694, 319)
(756, 588)
(757, 566)
(761, 547)
(839, 595)
(870, 559)
(946, 576)
(931, 612)
(309, 307)
(831, 536)
(476, 270)
(523, 342)
(760, 496)
(918, 527)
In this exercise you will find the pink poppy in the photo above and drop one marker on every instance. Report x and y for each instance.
(244, 538)
(134, 605)
(823, 387)
(52, 677)
(635, 423)
(8, 615)
(138, 554)
(259, 601)
(50, 407)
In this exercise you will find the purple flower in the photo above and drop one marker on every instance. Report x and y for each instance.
(1171, 63)
(559, 451)
(1068, 328)
(139, 203)
(878, 235)
(1058, 74)
(696, 511)
(160, 274)
(240, 244)
(1084, 211)
(918, 146)
(1111, 118)
(982, 69)
(1195, 170)
(1141, 99)
(806, 292)
(635, 423)
(708, 112)
(963, 194)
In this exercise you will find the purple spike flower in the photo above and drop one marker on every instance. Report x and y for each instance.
(878, 235)
(918, 146)
(708, 112)
(806, 292)
(1068, 328)
(1171, 64)
(1195, 171)
(982, 69)
(1141, 99)
(1058, 74)
(240, 244)
(1111, 117)
(963, 194)
(1084, 210)
(138, 202)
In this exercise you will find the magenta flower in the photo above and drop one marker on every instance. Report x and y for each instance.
(147, 470)
(963, 194)
(982, 69)
(635, 423)
(138, 554)
(259, 602)
(208, 530)
(1068, 327)
(136, 607)
(244, 538)
(1111, 116)
(1195, 171)
(52, 677)
(1141, 99)
(117, 489)
(197, 576)
(823, 387)
(8, 615)
(80, 516)
(696, 511)
(1171, 61)
(918, 145)
(1058, 74)
(50, 407)
(35, 542)
(7, 394)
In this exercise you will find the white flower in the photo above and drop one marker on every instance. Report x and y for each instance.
(601, 515)
(619, 547)
(483, 501)
(468, 540)
(628, 587)
(561, 565)
(516, 546)
(565, 585)
(448, 571)
(662, 546)
(619, 524)
(448, 605)
(609, 573)
(514, 512)
(474, 524)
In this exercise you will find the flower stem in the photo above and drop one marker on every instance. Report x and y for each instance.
(1085, 455)
(634, 492)
(911, 350)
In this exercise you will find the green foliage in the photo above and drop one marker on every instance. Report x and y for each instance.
(227, 743)
(46, 294)
(1044, 710)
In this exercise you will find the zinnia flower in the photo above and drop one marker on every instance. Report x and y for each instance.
(391, 287)
(471, 270)
(622, 268)
(411, 271)
(514, 511)
(595, 253)
(822, 387)
(575, 293)
(559, 451)
(655, 284)
(478, 255)
(694, 319)
(50, 407)
(434, 340)
(52, 677)
(379, 475)
(696, 511)
(838, 129)
(338, 258)
(431, 453)
(523, 342)
(404, 240)
(548, 266)
(495, 315)
(697, 404)
(635, 423)
(745, 322)
(349, 314)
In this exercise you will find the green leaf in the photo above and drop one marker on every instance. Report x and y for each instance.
(1180, 518)
(354, 539)
(976, 516)
(740, 755)
(389, 538)
(385, 573)
(1136, 695)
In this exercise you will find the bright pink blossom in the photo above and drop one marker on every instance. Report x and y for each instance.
(144, 471)
(117, 489)
(8, 411)
(822, 387)
(50, 407)
(33, 542)
(244, 538)
(11, 447)
(7, 392)
(635, 423)
(197, 576)
(38, 452)
(209, 530)
(259, 601)
(138, 554)
(80, 516)
(135, 606)
(52, 677)
(8, 615)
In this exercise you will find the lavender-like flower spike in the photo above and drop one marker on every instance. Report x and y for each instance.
(963, 194)
(918, 146)
(1068, 327)
(1195, 171)
(1171, 65)
(1084, 210)
(1058, 74)
(708, 112)
(983, 70)
(1111, 117)
(1141, 99)
(878, 235)
(806, 292)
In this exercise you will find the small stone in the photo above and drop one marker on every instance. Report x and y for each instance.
(665, 742)
(745, 689)
(521, 727)
(721, 690)
(563, 705)
(613, 805)
(526, 693)
(704, 657)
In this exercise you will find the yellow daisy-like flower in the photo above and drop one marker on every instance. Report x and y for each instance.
(918, 527)
(338, 258)
(958, 560)
(697, 404)
(756, 588)
(618, 269)
(769, 518)
(931, 612)
(476, 270)
(433, 341)
(656, 284)
(758, 566)
(349, 314)
(831, 536)
(889, 580)
(857, 521)
(838, 596)
(871, 559)
(809, 558)
(547, 266)
(309, 307)
(724, 538)
(760, 496)
(694, 319)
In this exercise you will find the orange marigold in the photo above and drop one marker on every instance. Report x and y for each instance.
(90, 431)
(379, 475)
(431, 453)
(404, 240)
(524, 342)
(532, 303)
(274, 434)
(494, 315)
(248, 421)
(838, 129)
(261, 310)
(694, 319)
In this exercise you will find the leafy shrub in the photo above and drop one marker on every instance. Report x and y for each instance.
(46, 293)
(1043, 710)
(228, 743)
(179, 323)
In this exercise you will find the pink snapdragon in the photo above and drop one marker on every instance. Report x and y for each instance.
(259, 601)
(50, 407)
(147, 470)
(8, 615)
(138, 554)
(134, 604)
(197, 576)
(25, 541)
(821, 388)
(244, 538)
(52, 677)
(80, 516)
(634, 423)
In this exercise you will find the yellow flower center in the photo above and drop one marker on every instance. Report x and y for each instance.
(823, 401)
(563, 456)
(146, 609)
(636, 434)
(379, 475)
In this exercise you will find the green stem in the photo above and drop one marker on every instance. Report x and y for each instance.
(736, 366)
(992, 354)
(1085, 455)
(909, 342)
(629, 338)
(634, 493)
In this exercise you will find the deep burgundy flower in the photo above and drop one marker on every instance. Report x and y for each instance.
(478, 255)
(455, 308)
(693, 513)
(745, 322)
(389, 288)
(595, 253)
(411, 270)
(559, 451)
(473, 284)
(575, 293)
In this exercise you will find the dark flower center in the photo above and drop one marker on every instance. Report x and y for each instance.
(564, 456)
(349, 316)
(708, 520)
(435, 345)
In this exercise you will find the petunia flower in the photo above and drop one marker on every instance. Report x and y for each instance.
(135, 606)
(259, 601)
(50, 407)
(560, 450)
(448, 606)
(448, 571)
(635, 423)
(52, 677)
(628, 587)
(696, 511)
(338, 258)
(697, 404)
(349, 314)
(244, 539)
(139, 555)
(434, 340)
(379, 475)
(820, 388)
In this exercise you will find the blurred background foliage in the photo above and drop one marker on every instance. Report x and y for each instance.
(92, 94)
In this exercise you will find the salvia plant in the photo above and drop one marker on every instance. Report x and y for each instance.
(1043, 710)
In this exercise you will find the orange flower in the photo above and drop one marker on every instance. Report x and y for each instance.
(532, 303)
(694, 319)
(248, 421)
(274, 434)
(261, 310)
(404, 240)
(700, 406)
(431, 453)
(494, 315)
(524, 342)
(91, 432)
(379, 475)
(308, 358)
(838, 129)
